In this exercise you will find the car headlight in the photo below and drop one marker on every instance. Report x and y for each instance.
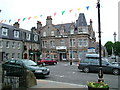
(48, 69)
(38, 70)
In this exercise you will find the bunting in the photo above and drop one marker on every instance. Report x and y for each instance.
(35, 17)
(63, 12)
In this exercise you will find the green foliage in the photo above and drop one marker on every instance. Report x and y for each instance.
(108, 46)
(97, 85)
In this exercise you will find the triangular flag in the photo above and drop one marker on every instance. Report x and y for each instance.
(9, 20)
(35, 17)
(54, 13)
(29, 18)
(24, 19)
(18, 20)
(87, 7)
(41, 15)
(78, 9)
(70, 10)
(63, 12)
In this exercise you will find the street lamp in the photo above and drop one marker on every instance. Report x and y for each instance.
(115, 44)
(100, 74)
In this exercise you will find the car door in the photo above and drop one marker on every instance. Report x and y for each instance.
(106, 67)
(94, 65)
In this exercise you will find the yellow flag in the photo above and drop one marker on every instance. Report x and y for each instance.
(35, 17)
(78, 9)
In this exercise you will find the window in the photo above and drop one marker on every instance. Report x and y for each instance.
(36, 37)
(84, 61)
(44, 44)
(1, 43)
(80, 42)
(28, 36)
(18, 45)
(4, 31)
(18, 55)
(52, 43)
(80, 30)
(52, 33)
(7, 44)
(72, 54)
(13, 55)
(16, 34)
(7, 55)
(85, 42)
(62, 42)
(13, 45)
(61, 32)
(72, 42)
(44, 34)
(94, 61)
(72, 31)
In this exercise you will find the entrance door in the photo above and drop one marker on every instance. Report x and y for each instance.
(63, 56)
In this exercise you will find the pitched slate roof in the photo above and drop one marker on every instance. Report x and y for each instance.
(66, 26)
(81, 21)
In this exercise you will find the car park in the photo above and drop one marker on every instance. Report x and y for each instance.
(92, 65)
(26, 64)
(48, 61)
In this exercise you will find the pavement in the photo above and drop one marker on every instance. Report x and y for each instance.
(48, 84)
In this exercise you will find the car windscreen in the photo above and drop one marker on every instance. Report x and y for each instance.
(29, 63)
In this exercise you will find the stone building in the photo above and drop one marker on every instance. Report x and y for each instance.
(69, 41)
(18, 43)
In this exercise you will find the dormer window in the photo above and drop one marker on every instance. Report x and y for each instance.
(80, 30)
(36, 37)
(16, 34)
(4, 31)
(52, 33)
(44, 34)
(72, 31)
(28, 36)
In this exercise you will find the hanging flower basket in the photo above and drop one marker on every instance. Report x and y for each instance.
(97, 86)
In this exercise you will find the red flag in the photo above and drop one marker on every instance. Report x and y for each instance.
(54, 13)
(29, 18)
(18, 20)
(70, 10)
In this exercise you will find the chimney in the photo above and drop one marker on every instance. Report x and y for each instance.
(16, 25)
(49, 20)
(39, 25)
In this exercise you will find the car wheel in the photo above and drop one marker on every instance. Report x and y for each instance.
(43, 64)
(115, 71)
(54, 63)
(86, 69)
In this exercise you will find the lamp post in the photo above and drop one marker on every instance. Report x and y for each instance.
(100, 74)
(115, 44)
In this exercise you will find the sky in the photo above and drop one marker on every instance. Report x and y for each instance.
(38, 10)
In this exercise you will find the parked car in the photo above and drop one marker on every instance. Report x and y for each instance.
(26, 64)
(45, 61)
(88, 65)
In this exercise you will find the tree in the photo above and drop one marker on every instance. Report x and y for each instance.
(116, 48)
(109, 46)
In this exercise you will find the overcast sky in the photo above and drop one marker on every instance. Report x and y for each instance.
(19, 9)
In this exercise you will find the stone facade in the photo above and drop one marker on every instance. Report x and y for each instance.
(18, 43)
(69, 41)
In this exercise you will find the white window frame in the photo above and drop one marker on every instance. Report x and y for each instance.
(35, 37)
(72, 31)
(4, 31)
(27, 36)
(44, 34)
(72, 42)
(16, 34)
(52, 33)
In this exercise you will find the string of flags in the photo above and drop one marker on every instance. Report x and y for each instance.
(35, 17)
